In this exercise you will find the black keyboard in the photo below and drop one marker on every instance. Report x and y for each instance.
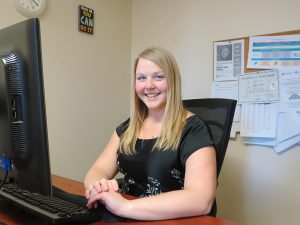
(53, 209)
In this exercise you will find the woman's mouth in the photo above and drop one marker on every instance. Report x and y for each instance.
(151, 95)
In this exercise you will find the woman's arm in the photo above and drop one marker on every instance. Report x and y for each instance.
(106, 164)
(195, 199)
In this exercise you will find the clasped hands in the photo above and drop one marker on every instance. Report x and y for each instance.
(106, 192)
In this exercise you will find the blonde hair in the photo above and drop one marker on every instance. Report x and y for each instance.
(174, 116)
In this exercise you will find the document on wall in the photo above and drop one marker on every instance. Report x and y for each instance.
(280, 51)
(259, 87)
(284, 145)
(288, 133)
(259, 120)
(289, 81)
(227, 89)
(228, 60)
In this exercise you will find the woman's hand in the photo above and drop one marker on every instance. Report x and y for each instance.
(98, 187)
(113, 201)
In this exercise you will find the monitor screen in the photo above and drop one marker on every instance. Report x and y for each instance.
(23, 128)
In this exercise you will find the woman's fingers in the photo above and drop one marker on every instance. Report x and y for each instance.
(107, 185)
(94, 200)
(115, 184)
(94, 193)
(104, 185)
(97, 186)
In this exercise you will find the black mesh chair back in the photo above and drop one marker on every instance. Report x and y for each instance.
(218, 114)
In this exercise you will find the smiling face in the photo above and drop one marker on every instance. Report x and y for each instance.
(151, 85)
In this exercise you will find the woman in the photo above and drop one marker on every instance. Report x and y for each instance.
(165, 152)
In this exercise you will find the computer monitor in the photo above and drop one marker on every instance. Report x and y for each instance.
(23, 127)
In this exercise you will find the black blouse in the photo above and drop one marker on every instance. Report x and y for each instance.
(151, 172)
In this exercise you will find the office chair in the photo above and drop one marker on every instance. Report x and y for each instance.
(218, 114)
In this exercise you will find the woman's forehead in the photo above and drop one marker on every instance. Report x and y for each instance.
(145, 65)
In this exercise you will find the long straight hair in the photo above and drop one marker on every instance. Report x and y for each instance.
(174, 116)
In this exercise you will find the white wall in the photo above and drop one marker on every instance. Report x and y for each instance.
(86, 78)
(256, 185)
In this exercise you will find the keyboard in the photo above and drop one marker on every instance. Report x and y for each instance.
(51, 208)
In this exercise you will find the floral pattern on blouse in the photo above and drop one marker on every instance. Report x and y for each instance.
(153, 188)
(176, 174)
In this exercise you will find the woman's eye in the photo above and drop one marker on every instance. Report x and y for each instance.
(160, 77)
(141, 77)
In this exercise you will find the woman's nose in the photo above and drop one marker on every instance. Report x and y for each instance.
(150, 83)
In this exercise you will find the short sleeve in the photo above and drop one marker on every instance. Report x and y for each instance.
(195, 136)
(122, 127)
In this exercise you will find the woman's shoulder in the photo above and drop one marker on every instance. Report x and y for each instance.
(194, 122)
(122, 127)
(193, 119)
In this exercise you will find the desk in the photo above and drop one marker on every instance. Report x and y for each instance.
(12, 215)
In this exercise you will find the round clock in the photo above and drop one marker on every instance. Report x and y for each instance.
(29, 8)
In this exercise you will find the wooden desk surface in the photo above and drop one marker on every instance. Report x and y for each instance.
(12, 215)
